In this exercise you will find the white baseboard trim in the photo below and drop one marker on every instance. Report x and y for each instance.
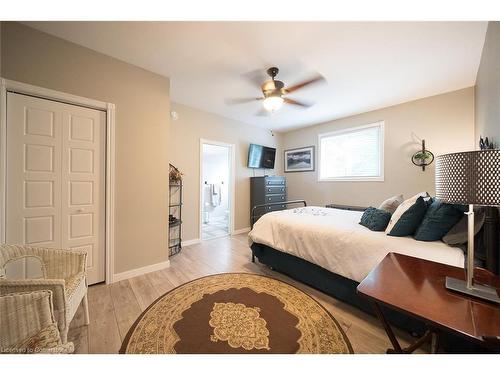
(140, 271)
(242, 230)
(190, 242)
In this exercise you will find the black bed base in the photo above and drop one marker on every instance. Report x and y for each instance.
(344, 290)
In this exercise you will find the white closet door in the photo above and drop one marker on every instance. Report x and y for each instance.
(56, 177)
(83, 186)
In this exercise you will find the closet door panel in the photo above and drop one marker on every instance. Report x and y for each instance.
(33, 206)
(83, 189)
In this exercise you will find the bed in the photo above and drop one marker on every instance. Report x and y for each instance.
(327, 249)
(333, 239)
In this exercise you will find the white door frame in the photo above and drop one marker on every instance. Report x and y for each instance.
(232, 179)
(39, 92)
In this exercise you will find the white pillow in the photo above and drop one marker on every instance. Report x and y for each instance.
(402, 208)
(390, 204)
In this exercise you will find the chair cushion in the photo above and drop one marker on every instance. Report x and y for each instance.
(75, 289)
(72, 283)
(438, 220)
(46, 338)
(375, 219)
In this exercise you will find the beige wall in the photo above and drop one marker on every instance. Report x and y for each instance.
(487, 104)
(444, 121)
(185, 135)
(142, 129)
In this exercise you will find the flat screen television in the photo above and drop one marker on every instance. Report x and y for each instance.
(261, 156)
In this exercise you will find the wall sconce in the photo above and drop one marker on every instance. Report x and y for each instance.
(422, 158)
(174, 115)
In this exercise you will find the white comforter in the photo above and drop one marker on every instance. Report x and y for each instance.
(334, 239)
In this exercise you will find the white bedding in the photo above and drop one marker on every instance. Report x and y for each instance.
(334, 239)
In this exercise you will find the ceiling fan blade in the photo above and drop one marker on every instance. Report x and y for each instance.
(316, 79)
(235, 101)
(295, 102)
(255, 77)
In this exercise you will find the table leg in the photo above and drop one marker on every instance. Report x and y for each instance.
(388, 330)
(429, 335)
(434, 343)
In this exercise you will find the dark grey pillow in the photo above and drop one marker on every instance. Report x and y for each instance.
(375, 219)
(458, 235)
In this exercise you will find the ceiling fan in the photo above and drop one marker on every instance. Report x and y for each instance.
(274, 92)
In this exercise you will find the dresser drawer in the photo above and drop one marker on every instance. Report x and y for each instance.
(263, 210)
(275, 181)
(275, 198)
(277, 207)
(275, 189)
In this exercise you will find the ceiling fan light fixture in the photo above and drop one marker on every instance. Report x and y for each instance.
(273, 103)
(273, 91)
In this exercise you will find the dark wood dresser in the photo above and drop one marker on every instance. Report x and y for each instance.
(267, 189)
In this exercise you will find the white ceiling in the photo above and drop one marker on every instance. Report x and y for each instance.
(367, 65)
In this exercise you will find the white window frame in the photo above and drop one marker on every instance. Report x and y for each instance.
(379, 124)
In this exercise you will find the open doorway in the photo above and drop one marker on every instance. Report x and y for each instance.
(217, 188)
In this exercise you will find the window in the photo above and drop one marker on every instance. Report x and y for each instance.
(355, 154)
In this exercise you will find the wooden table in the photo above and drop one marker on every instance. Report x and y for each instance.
(417, 287)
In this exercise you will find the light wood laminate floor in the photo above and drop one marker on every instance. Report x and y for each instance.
(113, 308)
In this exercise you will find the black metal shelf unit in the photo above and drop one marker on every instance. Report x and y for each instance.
(174, 214)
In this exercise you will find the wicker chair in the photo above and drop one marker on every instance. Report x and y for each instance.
(27, 325)
(63, 273)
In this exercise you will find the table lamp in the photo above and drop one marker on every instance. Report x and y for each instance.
(470, 178)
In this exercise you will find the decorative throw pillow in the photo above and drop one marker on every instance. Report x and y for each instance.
(390, 204)
(409, 220)
(375, 219)
(458, 235)
(402, 208)
(438, 220)
(47, 338)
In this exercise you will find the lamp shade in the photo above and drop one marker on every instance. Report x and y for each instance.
(471, 177)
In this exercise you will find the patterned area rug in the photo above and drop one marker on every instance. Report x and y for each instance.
(236, 313)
